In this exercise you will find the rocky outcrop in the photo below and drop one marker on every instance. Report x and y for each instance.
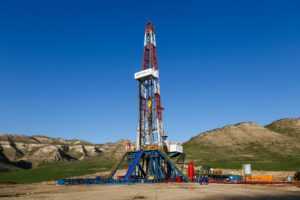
(25, 152)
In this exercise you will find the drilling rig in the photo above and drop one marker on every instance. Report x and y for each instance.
(151, 161)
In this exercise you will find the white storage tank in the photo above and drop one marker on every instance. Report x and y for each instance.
(247, 169)
(175, 147)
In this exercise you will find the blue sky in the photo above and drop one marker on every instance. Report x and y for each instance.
(66, 67)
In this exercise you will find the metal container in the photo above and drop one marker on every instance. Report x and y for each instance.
(234, 178)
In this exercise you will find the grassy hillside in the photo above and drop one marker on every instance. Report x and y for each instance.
(57, 170)
(232, 146)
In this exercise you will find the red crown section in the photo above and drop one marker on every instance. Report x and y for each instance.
(150, 59)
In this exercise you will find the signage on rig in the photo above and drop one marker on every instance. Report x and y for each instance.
(146, 73)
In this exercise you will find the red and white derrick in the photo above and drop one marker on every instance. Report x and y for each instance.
(150, 128)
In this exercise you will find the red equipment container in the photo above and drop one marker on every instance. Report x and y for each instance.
(191, 171)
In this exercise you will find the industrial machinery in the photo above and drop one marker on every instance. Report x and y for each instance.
(151, 161)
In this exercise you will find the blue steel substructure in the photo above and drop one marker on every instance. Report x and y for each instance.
(151, 165)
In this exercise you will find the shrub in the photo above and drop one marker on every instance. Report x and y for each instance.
(297, 176)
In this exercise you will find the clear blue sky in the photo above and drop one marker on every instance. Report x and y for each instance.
(66, 67)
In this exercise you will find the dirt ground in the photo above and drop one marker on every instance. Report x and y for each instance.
(166, 191)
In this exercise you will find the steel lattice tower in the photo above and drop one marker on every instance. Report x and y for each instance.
(150, 127)
(152, 160)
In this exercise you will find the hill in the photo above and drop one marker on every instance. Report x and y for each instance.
(18, 151)
(265, 148)
(28, 159)
(273, 147)
(288, 126)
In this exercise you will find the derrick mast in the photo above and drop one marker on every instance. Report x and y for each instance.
(150, 127)
(152, 160)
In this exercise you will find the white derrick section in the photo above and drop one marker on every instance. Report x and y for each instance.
(149, 38)
(146, 73)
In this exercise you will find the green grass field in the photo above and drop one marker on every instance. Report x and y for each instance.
(59, 170)
(56, 171)
(286, 165)
(262, 158)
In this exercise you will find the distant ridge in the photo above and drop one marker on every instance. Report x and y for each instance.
(20, 151)
(273, 147)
